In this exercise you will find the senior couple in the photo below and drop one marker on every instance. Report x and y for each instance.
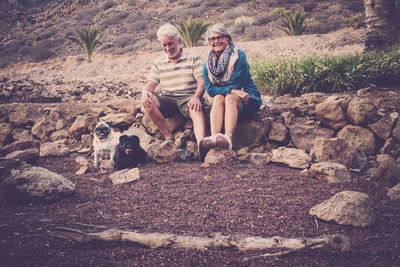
(184, 78)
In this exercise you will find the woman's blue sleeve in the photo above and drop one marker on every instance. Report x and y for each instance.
(239, 77)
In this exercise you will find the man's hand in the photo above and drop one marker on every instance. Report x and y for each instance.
(147, 99)
(242, 95)
(195, 103)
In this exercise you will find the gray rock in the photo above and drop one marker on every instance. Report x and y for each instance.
(383, 127)
(220, 157)
(30, 155)
(394, 192)
(51, 149)
(31, 183)
(43, 127)
(335, 150)
(293, 157)
(5, 133)
(359, 137)
(248, 133)
(125, 176)
(360, 111)
(278, 132)
(346, 208)
(331, 113)
(303, 136)
(330, 172)
(162, 153)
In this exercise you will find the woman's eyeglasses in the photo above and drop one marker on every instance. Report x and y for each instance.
(218, 38)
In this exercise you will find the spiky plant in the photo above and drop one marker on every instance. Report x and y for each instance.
(293, 22)
(192, 30)
(87, 38)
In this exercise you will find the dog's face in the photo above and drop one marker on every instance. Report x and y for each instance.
(129, 143)
(102, 129)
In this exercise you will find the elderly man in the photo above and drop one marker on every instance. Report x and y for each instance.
(180, 75)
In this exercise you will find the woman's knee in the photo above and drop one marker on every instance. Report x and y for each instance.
(232, 99)
(219, 99)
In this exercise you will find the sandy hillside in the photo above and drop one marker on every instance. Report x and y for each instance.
(131, 68)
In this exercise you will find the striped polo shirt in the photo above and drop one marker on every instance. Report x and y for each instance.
(177, 78)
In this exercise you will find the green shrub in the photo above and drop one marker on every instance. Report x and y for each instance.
(293, 22)
(87, 38)
(243, 21)
(355, 21)
(329, 74)
(192, 31)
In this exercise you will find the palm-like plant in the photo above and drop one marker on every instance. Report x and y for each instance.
(294, 23)
(88, 38)
(192, 30)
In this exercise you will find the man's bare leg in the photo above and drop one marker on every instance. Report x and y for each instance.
(158, 119)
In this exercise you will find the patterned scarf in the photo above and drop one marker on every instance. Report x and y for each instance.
(218, 67)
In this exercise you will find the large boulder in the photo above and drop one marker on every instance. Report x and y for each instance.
(30, 155)
(358, 137)
(20, 145)
(43, 127)
(303, 136)
(278, 132)
(79, 127)
(394, 192)
(335, 150)
(346, 208)
(330, 172)
(360, 111)
(391, 147)
(5, 133)
(29, 184)
(219, 157)
(173, 123)
(248, 133)
(162, 152)
(52, 149)
(383, 127)
(388, 168)
(396, 131)
(120, 120)
(24, 116)
(145, 139)
(293, 157)
(331, 113)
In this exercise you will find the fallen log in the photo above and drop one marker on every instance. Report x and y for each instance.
(242, 242)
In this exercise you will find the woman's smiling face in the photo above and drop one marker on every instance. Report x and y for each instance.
(218, 42)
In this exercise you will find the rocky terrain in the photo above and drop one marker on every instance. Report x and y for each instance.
(305, 167)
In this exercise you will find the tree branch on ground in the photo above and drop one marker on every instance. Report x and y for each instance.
(337, 242)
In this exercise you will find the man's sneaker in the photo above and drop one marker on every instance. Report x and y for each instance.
(205, 145)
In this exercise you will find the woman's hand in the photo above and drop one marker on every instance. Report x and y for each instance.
(242, 95)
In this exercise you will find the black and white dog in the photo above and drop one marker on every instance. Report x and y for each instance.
(105, 140)
(129, 153)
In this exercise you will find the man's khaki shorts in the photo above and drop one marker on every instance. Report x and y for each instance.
(170, 105)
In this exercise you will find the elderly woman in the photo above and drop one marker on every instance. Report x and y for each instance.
(228, 81)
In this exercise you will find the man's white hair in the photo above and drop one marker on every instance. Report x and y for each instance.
(168, 30)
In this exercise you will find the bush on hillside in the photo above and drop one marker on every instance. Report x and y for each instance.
(254, 33)
(236, 12)
(327, 74)
(192, 31)
(87, 38)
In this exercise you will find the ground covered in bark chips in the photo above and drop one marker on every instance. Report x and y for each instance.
(186, 199)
